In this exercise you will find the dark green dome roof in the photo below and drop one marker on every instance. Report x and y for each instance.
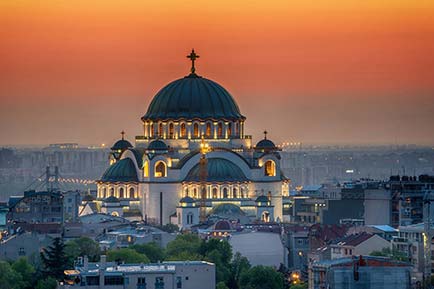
(226, 209)
(262, 199)
(121, 171)
(157, 145)
(111, 199)
(121, 145)
(265, 144)
(189, 200)
(193, 97)
(218, 170)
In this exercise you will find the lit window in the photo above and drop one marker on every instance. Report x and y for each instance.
(229, 129)
(220, 129)
(171, 130)
(270, 169)
(208, 130)
(183, 130)
(121, 192)
(214, 193)
(196, 130)
(132, 196)
(160, 170)
(160, 129)
(146, 169)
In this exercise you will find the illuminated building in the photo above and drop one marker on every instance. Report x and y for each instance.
(163, 167)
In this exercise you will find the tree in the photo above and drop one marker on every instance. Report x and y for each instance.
(183, 243)
(299, 286)
(239, 265)
(261, 277)
(54, 259)
(83, 246)
(221, 285)
(26, 270)
(48, 283)
(126, 255)
(151, 250)
(392, 254)
(9, 278)
(170, 228)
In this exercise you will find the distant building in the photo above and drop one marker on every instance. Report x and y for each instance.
(166, 275)
(357, 244)
(360, 272)
(27, 244)
(297, 242)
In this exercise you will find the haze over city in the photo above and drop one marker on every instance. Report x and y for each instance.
(353, 72)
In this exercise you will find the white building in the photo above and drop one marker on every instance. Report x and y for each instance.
(166, 275)
(186, 115)
(358, 244)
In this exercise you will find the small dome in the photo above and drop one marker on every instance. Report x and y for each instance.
(223, 225)
(187, 200)
(265, 144)
(261, 199)
(193, 97)
(111, 199)
(218, 170)
(121, 171)
(157, 145)
(121, 145)
(227, 209)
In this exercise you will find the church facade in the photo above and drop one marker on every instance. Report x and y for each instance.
(163, 167)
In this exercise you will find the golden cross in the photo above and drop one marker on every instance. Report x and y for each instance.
(123, 134)
(265, 134)
(193, 56)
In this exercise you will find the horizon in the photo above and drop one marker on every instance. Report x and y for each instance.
(324, 73)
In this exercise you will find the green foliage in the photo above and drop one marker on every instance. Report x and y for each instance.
(392, 254)
(183, 243)
(299, 286)
(26, 270)
(239, 265)
(9, 278)
(49, 283)
(221, 285)
(83, 247)
(151, 250)
(170, 228)
(54, 259)
(126, 255)
(261, 277)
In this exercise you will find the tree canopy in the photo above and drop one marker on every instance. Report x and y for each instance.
(54, 259)
(126, 255)
(261, 277)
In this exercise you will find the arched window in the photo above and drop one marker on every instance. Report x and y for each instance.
(229, 129)
(235, 193)
(160, 170)
(269, 196)
(183, 132)
(225, 193)
(214, 193)
(270, 168)
(112, 192)
(132, 196)
(236, 128)
(121, 193)
(189, 218)
(186, 192)
(171, 130)
(160, 130)
(208, 130)
(151, 132)
(220, 130)
(146, 169)
(195, 193)
(196, 130)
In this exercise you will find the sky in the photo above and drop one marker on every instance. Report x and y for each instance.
(311, 71)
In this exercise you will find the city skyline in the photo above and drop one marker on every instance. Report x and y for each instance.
(323, 72)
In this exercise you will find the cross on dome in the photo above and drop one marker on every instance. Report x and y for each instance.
(265, 134)
(193, 56)
(123, 134)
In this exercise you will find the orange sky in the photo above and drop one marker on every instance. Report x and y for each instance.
(320, 71)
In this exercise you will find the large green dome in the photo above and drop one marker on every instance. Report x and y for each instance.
(121, 171)
(193, 97)
(218, 170)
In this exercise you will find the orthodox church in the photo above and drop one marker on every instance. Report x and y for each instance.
(162, 179)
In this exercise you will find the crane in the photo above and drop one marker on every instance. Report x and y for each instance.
(203, 174)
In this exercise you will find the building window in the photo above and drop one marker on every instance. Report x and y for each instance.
(104, 192)
(225, 193)
(220, 130)
(270, 168)
(159, 283)
(160, 170)
(21, 252)
(121, 193)
(229, 129)
(189, 218)
(113, 280)
(146, 169)
(195, 193)
(196, 130)
(151, 132)
(92, 280)
(208, 130)
(160, 129)
(112, 192)
(141, 283)
(178, 282)
(214, 193)
(235, 193)
(132, 196)
(183, 132)
(171, 130)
